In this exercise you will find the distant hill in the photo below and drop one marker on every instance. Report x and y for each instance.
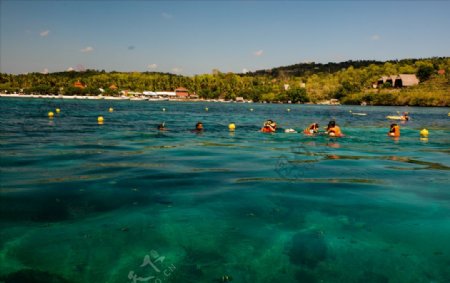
(351, 82)
(311, 68)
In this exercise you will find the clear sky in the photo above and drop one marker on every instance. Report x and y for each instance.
(195, 37)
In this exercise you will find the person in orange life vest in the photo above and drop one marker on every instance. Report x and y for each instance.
(333, 130)
(312, 129)
(394, 131)
(269, 127)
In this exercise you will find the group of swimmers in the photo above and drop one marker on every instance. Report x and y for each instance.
(332, 130)
(270, 126)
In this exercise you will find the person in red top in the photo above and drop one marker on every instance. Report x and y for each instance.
(269, 127)
(394, 131)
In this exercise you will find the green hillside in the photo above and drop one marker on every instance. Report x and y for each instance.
(351, 82)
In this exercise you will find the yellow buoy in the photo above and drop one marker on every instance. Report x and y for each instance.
(231, 126)
(51, 114)
(288, 110)
(206, 109)
(111, 109)
(57, 110)
(424, 133)
(100, 119)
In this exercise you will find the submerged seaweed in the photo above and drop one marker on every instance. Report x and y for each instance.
(308, 249)
(33, 276)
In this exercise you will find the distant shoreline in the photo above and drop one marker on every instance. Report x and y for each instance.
(94, 97)
(142, 98)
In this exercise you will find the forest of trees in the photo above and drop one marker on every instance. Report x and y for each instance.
(351, 82)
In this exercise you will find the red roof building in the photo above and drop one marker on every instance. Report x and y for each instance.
(182, 92)
(79, 84)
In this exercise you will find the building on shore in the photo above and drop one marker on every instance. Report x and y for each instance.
(79, 84)
(402, 80)
(182, 92)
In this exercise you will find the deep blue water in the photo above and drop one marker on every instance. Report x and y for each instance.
(85, 202)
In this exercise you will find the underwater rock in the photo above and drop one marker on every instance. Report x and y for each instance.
(305, 276)
(372, 277)
(163, 201)
(308, 249)
(33, 276)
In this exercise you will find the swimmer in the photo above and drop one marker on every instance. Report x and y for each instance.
(394, 131)
(199, 127)
(333, 130)
(269, 127)
(405, 116)
(162, 127)
(312, 129)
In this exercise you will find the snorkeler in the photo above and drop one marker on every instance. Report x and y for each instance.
(405, 116)
(199, 127)
(394, 131)
(333, 130)
(312, 129)
(162, 127)
(269, 127)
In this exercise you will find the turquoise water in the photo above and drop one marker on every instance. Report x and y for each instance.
(118, 202)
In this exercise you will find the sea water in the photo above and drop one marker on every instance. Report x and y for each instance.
(124, 202)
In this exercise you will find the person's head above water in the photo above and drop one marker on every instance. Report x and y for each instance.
(394, 131)
(270, 123)
(162, 126)
(331, 124)
(199, 126)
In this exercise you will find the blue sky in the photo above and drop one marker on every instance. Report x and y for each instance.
(195, 37)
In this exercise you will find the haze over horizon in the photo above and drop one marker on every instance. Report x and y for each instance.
(195, 37)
